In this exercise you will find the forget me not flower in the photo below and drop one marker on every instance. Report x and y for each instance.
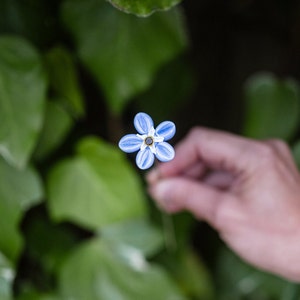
(150, 142)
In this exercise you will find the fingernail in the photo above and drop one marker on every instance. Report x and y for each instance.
(153, 176)
(161, 193)
(158, 191)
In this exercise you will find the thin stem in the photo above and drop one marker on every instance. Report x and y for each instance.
(169, 232)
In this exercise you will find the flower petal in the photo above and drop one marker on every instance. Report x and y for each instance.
(143, 123)
(166, 129)
(130, 143)
(145, 159)
(164, 152)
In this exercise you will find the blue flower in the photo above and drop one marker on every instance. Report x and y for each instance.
(149, 142)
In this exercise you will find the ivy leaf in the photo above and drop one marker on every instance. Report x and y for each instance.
(22, 99)
(138, 233)
(19, 190)
(31, 294)
(64, 79)
(235, 279)
(48, 252)
(97, 187)
(110, 272)
(198, 284)
(162, 99)
(7, 275)
(272, 107)
(57, 124)
(143, 7)
(122, 51)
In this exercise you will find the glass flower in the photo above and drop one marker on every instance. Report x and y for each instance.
(149, 142)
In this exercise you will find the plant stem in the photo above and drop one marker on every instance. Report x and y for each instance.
(169, 233)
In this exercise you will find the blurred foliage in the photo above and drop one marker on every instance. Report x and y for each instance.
(19, 190)
(7, 275)
(111, 271)
(246, 282)
(21, 108)
(277, 100)
(75, 218)
(99, 175)
(143, 8)
(100, 31)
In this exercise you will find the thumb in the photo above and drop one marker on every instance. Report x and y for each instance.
(177, 193)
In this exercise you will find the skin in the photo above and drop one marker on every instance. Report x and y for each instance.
(248, 190)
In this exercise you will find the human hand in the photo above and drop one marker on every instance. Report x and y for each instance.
(246, 189)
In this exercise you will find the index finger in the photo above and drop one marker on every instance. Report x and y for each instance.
(213, 149)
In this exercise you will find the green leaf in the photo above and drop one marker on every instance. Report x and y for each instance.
(122, 51)
(57, 124)
(48, 252)
(272, 107)
(104, 271)
(237, 280)
(64, 79)
(138, 233)
(32, 294)
(7, 275)
(19, 190)
(162, 99)
(22, 99)
(198, 284)
(95, 188)
(143, 7)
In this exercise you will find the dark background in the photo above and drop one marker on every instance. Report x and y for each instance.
(231, 40)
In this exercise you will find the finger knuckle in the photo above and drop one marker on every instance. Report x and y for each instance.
(265, 152)
(222, 215)
(195, 131)
(280, 145)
